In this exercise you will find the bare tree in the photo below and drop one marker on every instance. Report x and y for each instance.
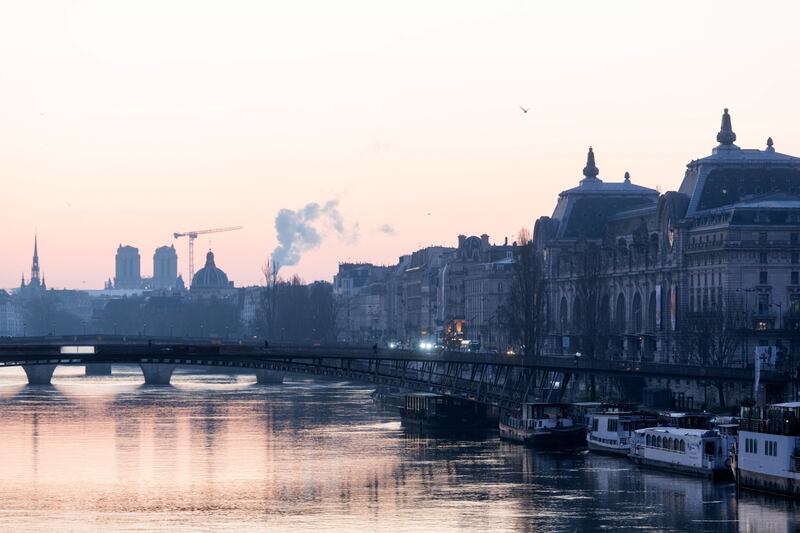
(712, 337)
(522, 313)
(590, 320)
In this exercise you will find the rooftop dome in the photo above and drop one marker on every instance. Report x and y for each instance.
(210, 277)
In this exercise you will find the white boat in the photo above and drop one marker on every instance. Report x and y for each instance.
(702, 452)
(767, 454)
(611, 430)
(551, 425)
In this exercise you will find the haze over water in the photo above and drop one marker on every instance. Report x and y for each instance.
(220, 453)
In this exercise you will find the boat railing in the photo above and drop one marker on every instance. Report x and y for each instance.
(772, 424)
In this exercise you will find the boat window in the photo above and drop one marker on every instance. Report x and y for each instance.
(612, 424)
(709, 447)
(595, 424)
(658, 442)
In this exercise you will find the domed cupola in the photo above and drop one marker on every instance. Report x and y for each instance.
(210, 277)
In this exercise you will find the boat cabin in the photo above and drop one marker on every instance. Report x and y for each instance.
(547, 415)
(686, 420)
(430, 403)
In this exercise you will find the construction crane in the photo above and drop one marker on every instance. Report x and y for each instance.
(192, 236)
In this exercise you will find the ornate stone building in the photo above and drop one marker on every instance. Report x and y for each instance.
(631, 273)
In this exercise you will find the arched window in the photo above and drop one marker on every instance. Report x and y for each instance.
(647, 439)
(651, 313)
(658, 442)
(577, 310)
(619, 314)
(563, 314)
(683, 446)
(604, 314)
(676, 445)
(636, 313)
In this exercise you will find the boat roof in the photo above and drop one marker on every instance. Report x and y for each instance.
(678, 431)
(787, 405)
(548, 404)
(426, 394)
(682, 415)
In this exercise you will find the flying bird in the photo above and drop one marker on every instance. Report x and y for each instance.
(524, 109)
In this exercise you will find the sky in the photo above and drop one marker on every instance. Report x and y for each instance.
(123, 122)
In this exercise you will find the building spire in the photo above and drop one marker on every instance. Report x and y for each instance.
(770, 148)
(590, 171)
(627, 177)
(35, 264)
(726, 135)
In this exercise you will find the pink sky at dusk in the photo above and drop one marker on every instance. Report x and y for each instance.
(123, 122)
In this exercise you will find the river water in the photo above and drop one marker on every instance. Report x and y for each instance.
(220, 453)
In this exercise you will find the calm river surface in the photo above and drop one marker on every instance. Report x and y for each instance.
(219, 453)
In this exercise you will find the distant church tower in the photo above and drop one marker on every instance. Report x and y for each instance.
(36, 282)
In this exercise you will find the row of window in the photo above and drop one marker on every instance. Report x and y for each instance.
(763, 278)
(794, 258)
(794, 238)
(770, 447)
(665, 443)
(611, 424)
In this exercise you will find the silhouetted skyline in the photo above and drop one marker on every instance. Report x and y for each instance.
(123, 127)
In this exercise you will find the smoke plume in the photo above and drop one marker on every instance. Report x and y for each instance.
(388, 229)
(304, 229)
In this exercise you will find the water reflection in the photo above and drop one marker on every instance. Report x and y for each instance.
(220, 453)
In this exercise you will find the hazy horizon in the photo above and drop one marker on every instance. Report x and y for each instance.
(127, 121)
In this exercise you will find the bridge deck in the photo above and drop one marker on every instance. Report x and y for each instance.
(115, 350)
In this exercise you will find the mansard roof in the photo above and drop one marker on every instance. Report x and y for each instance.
(584, 210)
(776, 200)
(731, 174)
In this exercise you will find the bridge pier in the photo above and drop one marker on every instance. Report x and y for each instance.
(157, 373)
(39, 374)
(98, 369)
(268, 377)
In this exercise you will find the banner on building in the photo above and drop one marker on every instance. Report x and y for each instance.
(673, 307)
(658, 307)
